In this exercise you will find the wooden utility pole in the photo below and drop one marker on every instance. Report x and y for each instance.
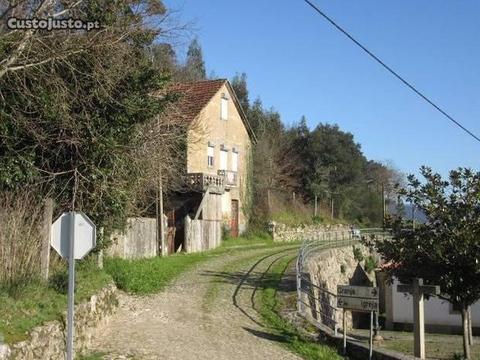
(331, 206)
(418, 290)
(316, 205)
(269, 205)
(47, 225)
(413, 216)
(160, 224)
(384, 205)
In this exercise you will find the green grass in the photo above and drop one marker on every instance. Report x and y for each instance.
(438, 346)
(93, 356)
(147, 276)
(292, 339)
(24, 307)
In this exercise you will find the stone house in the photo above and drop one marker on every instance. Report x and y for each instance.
(217, 159)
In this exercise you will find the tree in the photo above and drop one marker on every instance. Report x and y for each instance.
(195, 65)
(446, 249)
(164, 58)
(239, 84)
(76, 105)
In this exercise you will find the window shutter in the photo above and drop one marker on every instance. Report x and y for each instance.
(234, 161)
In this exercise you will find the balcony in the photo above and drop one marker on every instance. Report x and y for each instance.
(201, 181)
(231, 177)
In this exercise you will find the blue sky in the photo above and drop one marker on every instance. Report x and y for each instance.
(300, 65)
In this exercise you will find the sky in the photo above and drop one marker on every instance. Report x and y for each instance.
(299, 64)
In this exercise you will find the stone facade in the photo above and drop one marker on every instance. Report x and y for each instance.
(224, 135)
(48, 341)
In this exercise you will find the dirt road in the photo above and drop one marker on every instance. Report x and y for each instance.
(209, 313)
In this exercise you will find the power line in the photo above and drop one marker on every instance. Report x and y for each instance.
(393, 72)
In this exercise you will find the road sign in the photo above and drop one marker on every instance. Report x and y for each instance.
(73, 236)
(357, 304)
(357, 298)
(84, 231)
(357, 291)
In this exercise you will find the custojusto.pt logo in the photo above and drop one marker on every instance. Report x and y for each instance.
(50, 23)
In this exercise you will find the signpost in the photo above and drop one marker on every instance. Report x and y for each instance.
(418, 290)
(73, 236)
(357, 298)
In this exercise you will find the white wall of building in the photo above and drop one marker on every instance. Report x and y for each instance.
(437, 311)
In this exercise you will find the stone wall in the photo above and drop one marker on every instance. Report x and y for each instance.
(329, 268)
(48, 341)
(285, 233)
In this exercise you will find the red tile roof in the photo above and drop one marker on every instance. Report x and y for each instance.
(194, 96)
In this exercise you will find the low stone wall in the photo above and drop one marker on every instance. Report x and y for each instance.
(285, 233)
(329, 268)
(48, 341)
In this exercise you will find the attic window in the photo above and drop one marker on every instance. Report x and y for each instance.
(224, 107)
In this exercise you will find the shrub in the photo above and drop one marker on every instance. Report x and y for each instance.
(20, 239)
(370, 264)
(357, 254)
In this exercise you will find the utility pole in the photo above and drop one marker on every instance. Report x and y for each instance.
(331, 204)
(384, 205)
(160, 224)
(413, 216)
(316, 206)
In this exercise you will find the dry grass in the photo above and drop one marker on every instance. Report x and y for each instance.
(20, 238)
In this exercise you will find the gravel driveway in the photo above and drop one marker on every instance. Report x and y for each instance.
(209, 313)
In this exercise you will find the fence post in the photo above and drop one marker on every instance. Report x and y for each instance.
(47, 225)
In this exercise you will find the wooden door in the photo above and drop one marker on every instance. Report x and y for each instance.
(234, 219)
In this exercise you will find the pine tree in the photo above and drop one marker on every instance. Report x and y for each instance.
(195, 65)
(239, 84)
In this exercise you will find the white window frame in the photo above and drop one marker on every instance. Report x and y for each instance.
(210, 156)
(223, 164)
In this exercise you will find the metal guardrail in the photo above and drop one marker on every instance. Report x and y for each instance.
(325, 314)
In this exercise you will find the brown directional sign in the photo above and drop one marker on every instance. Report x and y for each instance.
(359, 298)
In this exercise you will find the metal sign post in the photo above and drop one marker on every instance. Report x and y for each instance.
(344, 333)
(358, 298)
(73, 236)
(71, 287)
(370, 343)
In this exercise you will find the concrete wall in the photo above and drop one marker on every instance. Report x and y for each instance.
(232, 134)
(48, 341)
(439, 314)
(139, 240)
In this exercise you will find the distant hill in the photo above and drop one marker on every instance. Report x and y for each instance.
(407, 213)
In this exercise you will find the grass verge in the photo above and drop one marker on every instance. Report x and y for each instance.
(269, 310)
(28, 305)
(147, 276)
